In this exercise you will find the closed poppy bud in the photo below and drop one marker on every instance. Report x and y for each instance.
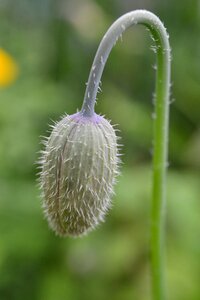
(79, 167)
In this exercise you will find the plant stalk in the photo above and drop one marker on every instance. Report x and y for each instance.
(161, 116)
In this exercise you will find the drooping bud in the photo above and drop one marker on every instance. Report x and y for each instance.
(79, 167)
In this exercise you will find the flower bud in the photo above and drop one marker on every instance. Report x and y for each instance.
(79, 167)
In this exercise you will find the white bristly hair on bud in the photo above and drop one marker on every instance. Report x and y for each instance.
(79, 169)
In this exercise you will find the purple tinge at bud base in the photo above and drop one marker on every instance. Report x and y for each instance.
(79, 168)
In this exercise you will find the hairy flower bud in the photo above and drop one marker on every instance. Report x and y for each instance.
(79, 167)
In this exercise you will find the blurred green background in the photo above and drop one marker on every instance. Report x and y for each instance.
(53, 43)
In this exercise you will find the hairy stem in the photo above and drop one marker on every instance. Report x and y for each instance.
(162, 49)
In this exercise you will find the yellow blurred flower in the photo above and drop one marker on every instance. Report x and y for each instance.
(8, 69)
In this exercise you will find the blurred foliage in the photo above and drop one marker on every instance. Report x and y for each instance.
(53, 43)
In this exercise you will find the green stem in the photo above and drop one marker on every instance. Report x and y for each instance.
(160, 37)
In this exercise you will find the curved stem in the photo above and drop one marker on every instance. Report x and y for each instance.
(162, 48)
